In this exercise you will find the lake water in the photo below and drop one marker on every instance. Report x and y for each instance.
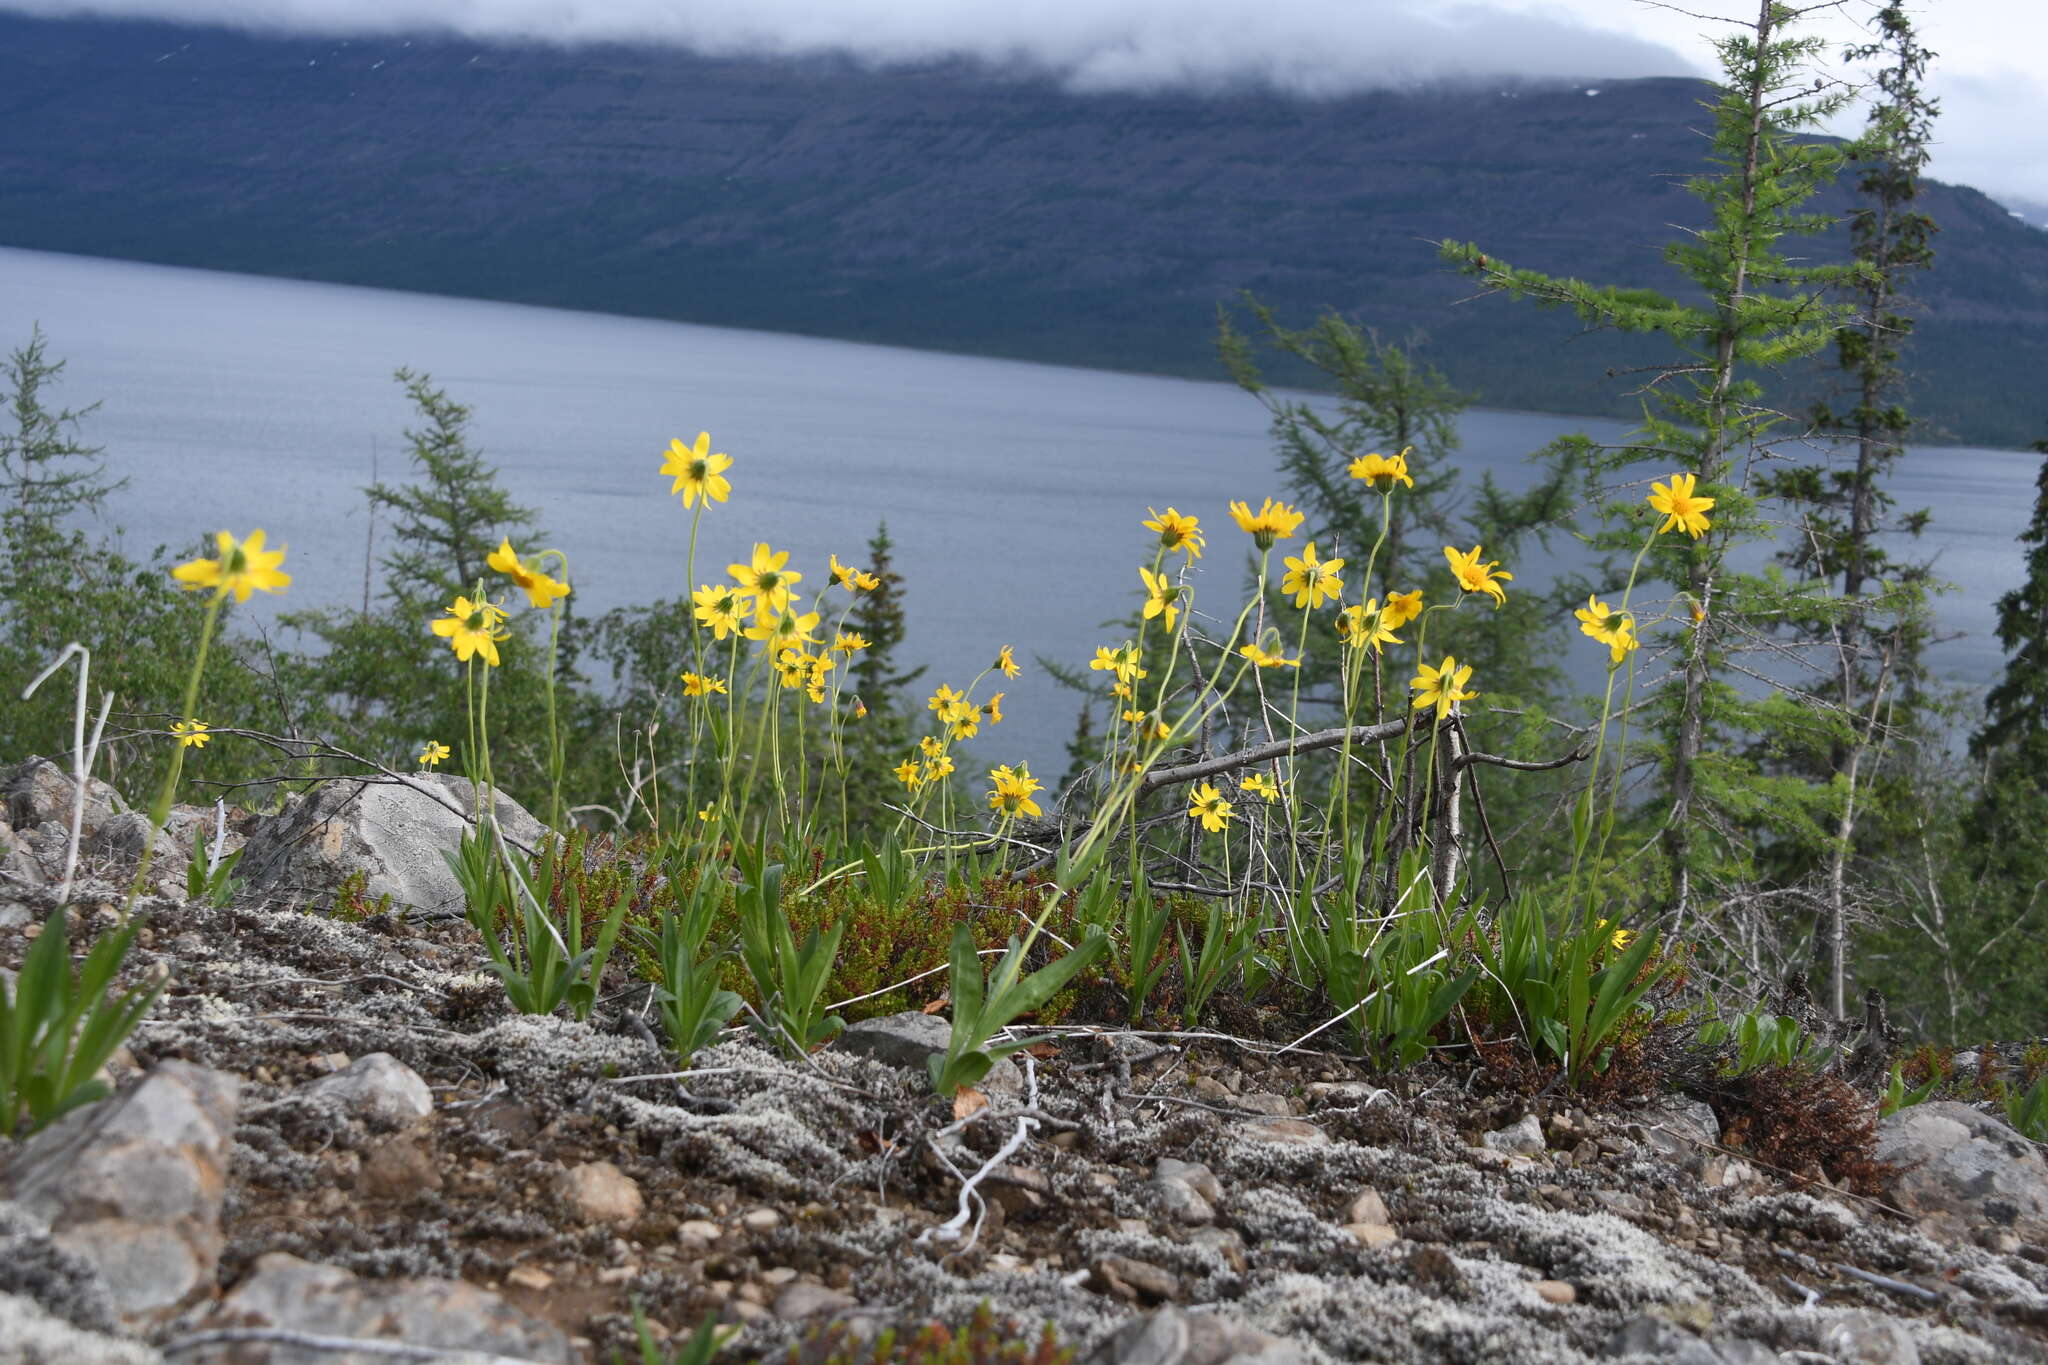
(1013, 491)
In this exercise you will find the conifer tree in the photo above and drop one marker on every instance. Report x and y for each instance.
(1705, 415)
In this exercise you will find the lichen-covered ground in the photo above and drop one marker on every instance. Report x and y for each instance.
(835, 1171)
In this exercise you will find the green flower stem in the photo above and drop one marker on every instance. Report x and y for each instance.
(160, 812)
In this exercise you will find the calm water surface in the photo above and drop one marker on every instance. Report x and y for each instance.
(1013, 490)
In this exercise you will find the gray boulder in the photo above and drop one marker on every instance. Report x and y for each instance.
(285, 1293)
(1962, 1171)
(133, 1186)
(1173, 1336)
(379, 1089)
(395, 832)
(906, 1040)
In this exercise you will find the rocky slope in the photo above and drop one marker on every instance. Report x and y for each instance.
(941, 206)
(329, 1131)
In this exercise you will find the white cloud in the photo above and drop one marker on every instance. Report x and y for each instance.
(1993, 132)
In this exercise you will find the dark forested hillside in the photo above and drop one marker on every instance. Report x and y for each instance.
(939, 207)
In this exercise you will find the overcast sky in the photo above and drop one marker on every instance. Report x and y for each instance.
(1993, 132)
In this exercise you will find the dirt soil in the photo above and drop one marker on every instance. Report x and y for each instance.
(759, 1173)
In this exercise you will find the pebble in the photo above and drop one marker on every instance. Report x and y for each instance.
(778, 1276)
(1368, 1207)
(599, 1192)
(1556, 1291)
(1372, 1234)
(1285, 1132)
(760, 1220)
(700, 1229)
(1524, 1136)
(529, 1277)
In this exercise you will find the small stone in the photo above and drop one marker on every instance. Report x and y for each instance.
(1225, 1242)
(1211, 1089)
(700, 1229)
(760, 1220)
(779, 1276)
(1556, 1291)
(398, 1169)
(529, 1277)
(1135, 1280)
(1372, 1234)
(599, 1192)
(617, 1274)
(1284, 1132)
(327, 1063)
(1188, 1190)
(377, 1088)
(1264, 1102)
(801, 1301)
(1368, 1207)
(1524, 1136)
(753, 1293)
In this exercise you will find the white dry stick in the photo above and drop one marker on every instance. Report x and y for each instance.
(950, 1230)
(82, 755)
(220, 837)
(312, 1341)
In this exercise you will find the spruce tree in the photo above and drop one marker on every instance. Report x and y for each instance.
(1705, 415)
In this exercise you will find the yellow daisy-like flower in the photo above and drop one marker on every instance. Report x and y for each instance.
(1013, 790)
(1383, 471)
(1621, 938)
(909, 774)
(939, 767)
(473, 628)
(1121, 660)
(1160, 593)
(792, 666)
(722, 609)
(961, 718)
(192, 734)
(1622, 642)
(540, 589)
(1402, 607)
(992, 709)
(787, 629)
(435, 754)
(699, 685)
(708, 813)
(814, 681)
(1273, 521)
(1177, 532)
(1596, 619)
(1264, 659)
(765, 577)
(1006, 662)
(851, 579)
(242, 567)
(942, 698)
(1359, 626)
(1682, 509)
(849, 643)
(1258, 784)
(1210, 807)
(697, 471)
(860, 709)
(931, 746)
(1125, 691)
(1442, 686)
(1474, 576)
(1313, 581)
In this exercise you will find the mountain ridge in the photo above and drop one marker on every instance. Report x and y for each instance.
(941, 206)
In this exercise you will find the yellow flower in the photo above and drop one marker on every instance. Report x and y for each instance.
(720, 609)
(243, 567)
(1135, 717)
(993, 708)
(1312, 581)
(1621, 938)
(1121, 660)
(434, 754)
(860, 709)
(942, 698)
(792, 666)
(1443, 686)
(1258, 784)
(1403, 607)
(789, 629)
(938, 767)
(1623, 641)
(708, 813)
(1125, 690)
(961, 717)
(1596, 619)
(909, 774)
(1273, 521)
(814, 682)
(1177, 532)
(1383, 471)
(473, 628)
(1209, 806)
(853, 580)
(1681, 508)
(1266, 660)
(766, 579)
(697, 471)
(1160, 594)
(849, 643)
(1006, 662)
(540, 589)
(1366, 625)
(698, 685)
(1013, 790)
(1476, 577)
(191, 733)
(931, 746)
